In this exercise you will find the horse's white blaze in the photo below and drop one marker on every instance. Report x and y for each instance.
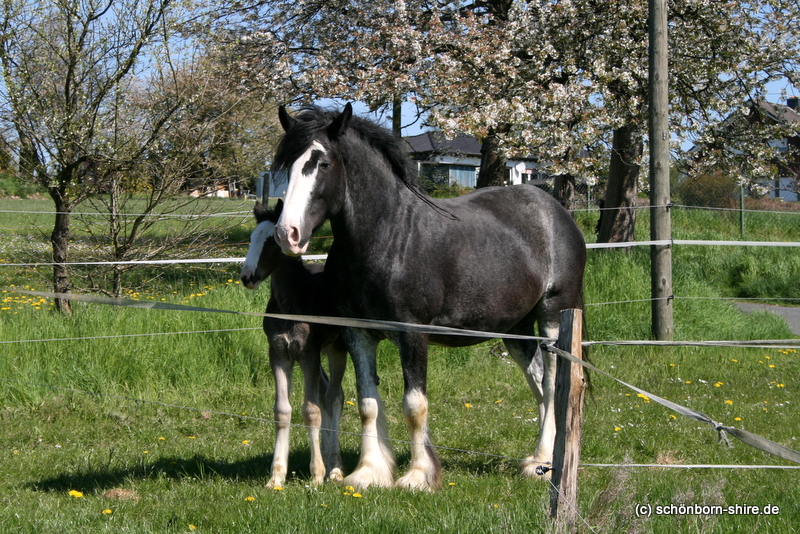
(291, 231)
(257, 239)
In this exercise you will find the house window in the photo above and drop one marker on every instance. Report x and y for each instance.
(463, 175)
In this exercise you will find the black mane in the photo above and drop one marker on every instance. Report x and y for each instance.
(311, 119)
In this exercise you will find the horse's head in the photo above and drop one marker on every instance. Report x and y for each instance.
(309, 151)
(264, 254)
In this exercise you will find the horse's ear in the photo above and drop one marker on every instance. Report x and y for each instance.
(259, 211)
(340, 123)
(278, 209)
(286, 120)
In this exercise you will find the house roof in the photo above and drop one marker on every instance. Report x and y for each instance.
(428, 143)
(780, 112)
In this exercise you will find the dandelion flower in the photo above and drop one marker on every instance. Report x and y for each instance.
(350, 488)
(278, 488)
(617, 429)
(729, 402)
(351, 403)
(357, 495)
(498, 401)
(718, 384)
(781, 385)
(452, 484)
(467, 405)
(672, 416)
(192, 527)
(107, 511)
(737, 419)
(246, 442)
(250, 499)
(75, 493)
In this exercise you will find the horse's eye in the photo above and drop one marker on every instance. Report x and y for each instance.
(324, 166)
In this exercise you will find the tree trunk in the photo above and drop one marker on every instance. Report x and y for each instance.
(618, 218)
(60, 242)
(564, 190)
(397, 116)
(493, 165)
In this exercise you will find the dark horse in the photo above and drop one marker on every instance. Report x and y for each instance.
(298, 289)
(498, 260)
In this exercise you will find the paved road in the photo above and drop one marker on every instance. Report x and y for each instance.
(791, 314)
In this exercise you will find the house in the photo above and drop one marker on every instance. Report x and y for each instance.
(787, 185)
(446, 162)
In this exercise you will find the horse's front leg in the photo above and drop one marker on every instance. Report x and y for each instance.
(376, 465)
(312, 414)
(424, 473)
(332, 414)
(281, 365)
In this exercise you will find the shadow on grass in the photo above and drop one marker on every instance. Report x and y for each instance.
(196, 467)
(257, 468)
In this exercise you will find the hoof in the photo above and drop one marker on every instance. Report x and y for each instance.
(366, 476)
(275, 482)
(536, 468)
(416, 480)
(336, 475)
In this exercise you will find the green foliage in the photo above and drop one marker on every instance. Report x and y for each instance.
(11, 186)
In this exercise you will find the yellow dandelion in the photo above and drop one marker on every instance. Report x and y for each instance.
(347, 493)
(718, 384)
(771, 366)
(75, 493)
(672, 365)
(643, 396)
(672, 416)
(617, 429)
(278, 488)
(249, 499)
(357, 495)
(781, 385)
(349, 488)
(351, 403)
(162, 439)
(192, 527)
(688, 381)
(191, 437)
(145, 452)
(107, 511)
(729, 402)
(452, 484)
(498, 401)
(246, 442)
(737, 419)
(467, 405)
(734, 360)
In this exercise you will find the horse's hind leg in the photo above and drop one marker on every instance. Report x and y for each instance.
(377, 464)
(281, 365)
(332, 412)
(312, 413)
(539, 368)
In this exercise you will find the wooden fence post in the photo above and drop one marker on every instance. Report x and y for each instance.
(569, 393)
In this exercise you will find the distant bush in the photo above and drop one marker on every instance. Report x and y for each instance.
(11, 186)
(708, 190)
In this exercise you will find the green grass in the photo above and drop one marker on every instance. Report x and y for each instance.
(158, 419)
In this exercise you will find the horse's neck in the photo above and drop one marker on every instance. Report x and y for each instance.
(372, 213)
(291, 272)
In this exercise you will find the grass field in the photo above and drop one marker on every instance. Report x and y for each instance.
(171, 433)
